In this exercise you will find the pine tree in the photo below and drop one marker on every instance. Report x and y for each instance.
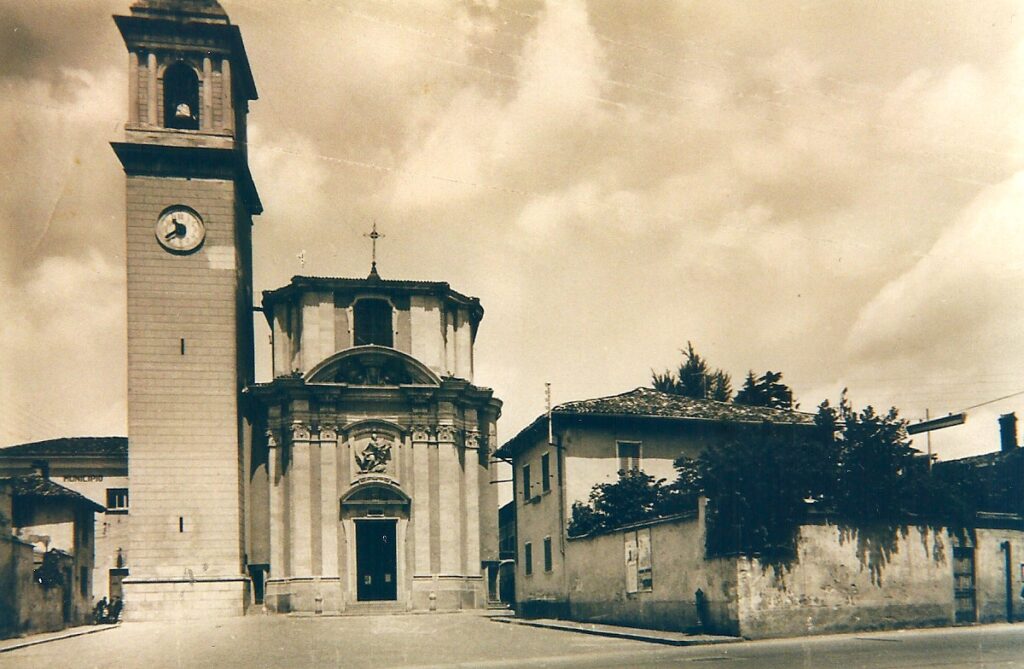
(694, 378)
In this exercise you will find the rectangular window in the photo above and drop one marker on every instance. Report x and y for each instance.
(545, 472)
(527, 493)
(117, 499)
(528, 558)
(547, 553)
(83, 580)
(629, 455)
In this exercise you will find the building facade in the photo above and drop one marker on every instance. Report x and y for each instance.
(46, 555)
(557, 461)
(360, 473)
(97, 469)
(370, 469)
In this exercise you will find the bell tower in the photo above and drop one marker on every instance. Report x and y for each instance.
(190, 202)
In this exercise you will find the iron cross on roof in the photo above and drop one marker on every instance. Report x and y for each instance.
(374, 236)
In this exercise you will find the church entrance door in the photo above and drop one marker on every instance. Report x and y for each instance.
(376, 560)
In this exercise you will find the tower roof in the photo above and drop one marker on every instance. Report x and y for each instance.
(207, 11)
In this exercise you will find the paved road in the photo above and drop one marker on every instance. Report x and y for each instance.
(465, 640)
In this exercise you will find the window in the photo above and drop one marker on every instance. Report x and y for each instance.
(526, 483)
(373, 323)
(528, 558)
(629, 455)
(547, 553)
(117, 499)
(83, 580)
(181, 97)
(545, 472)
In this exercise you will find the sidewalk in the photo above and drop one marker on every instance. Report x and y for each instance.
(618, 632)
(44, 637)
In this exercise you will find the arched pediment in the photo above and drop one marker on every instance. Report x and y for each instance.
(372, 366)
(375, 492)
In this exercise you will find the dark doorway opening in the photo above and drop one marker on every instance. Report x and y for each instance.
(376, 560)
(963, 585)
(116, 577)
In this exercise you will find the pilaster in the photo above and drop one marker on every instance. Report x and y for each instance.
(299, 512)
(472, 503)
(277, 483)
(329, 510)
(421, 438)
(448, 501)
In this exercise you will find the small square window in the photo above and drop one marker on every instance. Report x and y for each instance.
(545, 472)
(628, 453)
(547, 553)
(117, 499)
(528, 558)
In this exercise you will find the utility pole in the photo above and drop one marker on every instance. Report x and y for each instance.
(547, 400)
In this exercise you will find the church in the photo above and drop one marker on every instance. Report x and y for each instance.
(359, 477)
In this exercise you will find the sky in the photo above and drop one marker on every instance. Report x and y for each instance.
(831, 190)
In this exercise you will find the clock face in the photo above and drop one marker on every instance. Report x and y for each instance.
(180, 230)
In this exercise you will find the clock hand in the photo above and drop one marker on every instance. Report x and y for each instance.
(178, 231)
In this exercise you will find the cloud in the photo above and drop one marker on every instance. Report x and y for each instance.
(64, 351)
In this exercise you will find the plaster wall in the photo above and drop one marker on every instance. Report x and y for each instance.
(597, 581)
(991, 575)
(539, 514)
(111, 528)
(847, 579)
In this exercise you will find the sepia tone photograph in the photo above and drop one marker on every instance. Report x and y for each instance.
(511, 333)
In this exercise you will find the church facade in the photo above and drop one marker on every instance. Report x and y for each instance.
(360, 475)
(370, 476)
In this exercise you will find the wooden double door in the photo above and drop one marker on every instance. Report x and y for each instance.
(376, 560)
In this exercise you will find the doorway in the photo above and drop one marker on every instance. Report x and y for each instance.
(963, 585)
(376, 560)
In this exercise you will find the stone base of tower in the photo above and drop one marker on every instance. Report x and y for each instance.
(167, 599)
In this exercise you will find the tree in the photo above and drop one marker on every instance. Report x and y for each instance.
(874, 462)
(758, 485)
(694, 378)
(765, 391)
(634, 497)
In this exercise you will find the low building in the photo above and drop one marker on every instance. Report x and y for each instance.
(556, 462)
(997, 478)
(97, 468)
(46, 555)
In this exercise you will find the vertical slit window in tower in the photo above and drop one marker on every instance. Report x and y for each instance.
(181, 523)
(183, 346)
(373, 323)
(181, 97)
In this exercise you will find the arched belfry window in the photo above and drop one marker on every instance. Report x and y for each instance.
(373, 323)
(181, 97)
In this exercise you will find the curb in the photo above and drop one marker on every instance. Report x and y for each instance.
(57, 637)
(639, 635)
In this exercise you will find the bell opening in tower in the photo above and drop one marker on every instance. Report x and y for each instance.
(181, 97)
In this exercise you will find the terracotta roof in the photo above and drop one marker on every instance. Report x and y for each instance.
(114, 447)
(653, 403)
(33, 485)
(649, 403)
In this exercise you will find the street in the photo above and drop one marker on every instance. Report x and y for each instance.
(467, 640)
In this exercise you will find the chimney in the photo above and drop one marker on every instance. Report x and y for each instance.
(41, 468)
(1008, 432)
